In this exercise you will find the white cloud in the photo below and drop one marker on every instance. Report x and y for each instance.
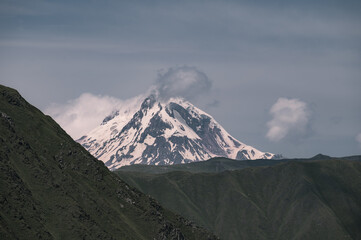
(358, 139)
(185, 82)
(289, 116)
(81, 115)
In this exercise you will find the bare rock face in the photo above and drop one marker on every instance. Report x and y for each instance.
(161, 133)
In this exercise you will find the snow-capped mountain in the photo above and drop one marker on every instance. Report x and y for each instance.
(163, 132)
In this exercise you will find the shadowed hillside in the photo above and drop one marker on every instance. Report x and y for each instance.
(52, 188)
(298, 199)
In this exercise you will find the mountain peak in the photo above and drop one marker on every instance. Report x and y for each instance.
(148, 102)
(164, 132)
(320, 156)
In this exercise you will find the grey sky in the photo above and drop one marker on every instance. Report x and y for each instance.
(254, 54)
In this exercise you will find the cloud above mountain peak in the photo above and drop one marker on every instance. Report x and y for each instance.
(186, 82)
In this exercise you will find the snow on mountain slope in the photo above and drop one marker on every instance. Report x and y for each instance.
(153, 132)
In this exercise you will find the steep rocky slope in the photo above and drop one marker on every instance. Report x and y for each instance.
(52, 188)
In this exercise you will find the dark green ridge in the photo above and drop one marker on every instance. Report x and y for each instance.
(220, 164)
(293, 199)
(52, 188)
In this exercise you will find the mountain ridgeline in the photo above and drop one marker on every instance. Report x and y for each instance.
(219, 164)
(52, 188)
(317, 198)
(155, 132)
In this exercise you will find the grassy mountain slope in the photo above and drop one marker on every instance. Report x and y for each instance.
(316, 199)
(52, 188)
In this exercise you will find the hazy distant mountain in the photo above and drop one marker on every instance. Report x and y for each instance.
(52, 188)
(163, 132)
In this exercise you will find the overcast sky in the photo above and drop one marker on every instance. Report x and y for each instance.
(282, 76)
